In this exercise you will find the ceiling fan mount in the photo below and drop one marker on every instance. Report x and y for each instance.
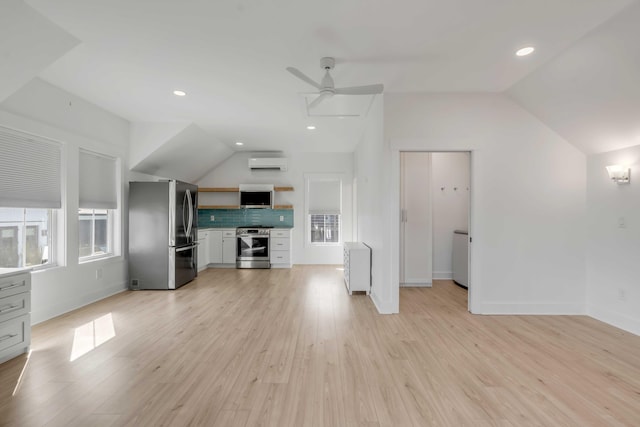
(326, 88)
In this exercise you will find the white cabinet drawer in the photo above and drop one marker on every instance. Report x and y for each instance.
(280, 233)
(279, 244)
(279, 257)
(14, 306)
(15, 284)
(229, 233)
(15, 335)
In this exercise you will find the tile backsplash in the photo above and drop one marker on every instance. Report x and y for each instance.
(229, 218)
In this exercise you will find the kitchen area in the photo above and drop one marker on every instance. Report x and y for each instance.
(166, 215)
(255, 233)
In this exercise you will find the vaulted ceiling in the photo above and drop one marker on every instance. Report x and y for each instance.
(230, 57)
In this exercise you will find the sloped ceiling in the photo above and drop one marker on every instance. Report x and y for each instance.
(28, 43)
(230, 57)
(187, 156)
(590, 93)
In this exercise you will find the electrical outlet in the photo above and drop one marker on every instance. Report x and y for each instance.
(622, 222)
(212, 217)
(622, 295)
(281, 218)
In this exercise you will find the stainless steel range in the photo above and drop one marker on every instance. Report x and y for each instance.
(252, 250)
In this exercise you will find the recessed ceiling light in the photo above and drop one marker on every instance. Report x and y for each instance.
(239, 143)
(179, 93)
(525, 51)
(311, 127)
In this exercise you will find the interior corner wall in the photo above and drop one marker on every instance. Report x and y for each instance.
(45, 110)
(374, 199)
(613, 271)
(528, 198)
(235, 170)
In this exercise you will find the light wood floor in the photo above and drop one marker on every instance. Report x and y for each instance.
(291, 348)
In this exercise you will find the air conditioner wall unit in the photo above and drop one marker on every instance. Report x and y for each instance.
(268, 163)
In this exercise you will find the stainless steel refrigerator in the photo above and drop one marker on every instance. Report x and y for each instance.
(163, 230)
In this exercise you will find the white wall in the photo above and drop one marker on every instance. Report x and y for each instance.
(613, 270)
(372, 158)
(235, 171)
(42, 109)
(450, 189)
(528, 202)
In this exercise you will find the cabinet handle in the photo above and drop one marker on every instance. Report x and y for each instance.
(9, 308)
(13, 285)
(7, 337)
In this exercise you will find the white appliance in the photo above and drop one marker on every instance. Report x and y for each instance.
(461, 257)
(272, 163)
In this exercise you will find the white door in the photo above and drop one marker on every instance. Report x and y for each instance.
(416, 249)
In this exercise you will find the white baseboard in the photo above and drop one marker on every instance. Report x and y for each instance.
(443, 275)
(614, 319)
(382, 306)
(416, 285)
(531, 308)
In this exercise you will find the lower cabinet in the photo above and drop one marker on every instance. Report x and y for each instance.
(15, 317)
(215, 247)
(229, 246)
(280, 248)
(203, 249)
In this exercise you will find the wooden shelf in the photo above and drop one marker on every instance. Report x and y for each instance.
(238, 207)
(218, 207)
(234, 189)
(218, 189)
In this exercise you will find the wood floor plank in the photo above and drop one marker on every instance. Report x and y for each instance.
(292, 348)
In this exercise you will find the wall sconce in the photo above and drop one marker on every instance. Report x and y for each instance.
(618, 174)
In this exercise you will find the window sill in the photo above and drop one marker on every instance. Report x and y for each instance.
(106, 258)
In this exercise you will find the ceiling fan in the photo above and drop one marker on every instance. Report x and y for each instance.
(327, 88)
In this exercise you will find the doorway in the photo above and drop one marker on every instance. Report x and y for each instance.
(434, 218)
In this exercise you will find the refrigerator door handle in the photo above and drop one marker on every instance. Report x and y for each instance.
(186, 248)
(190, 214)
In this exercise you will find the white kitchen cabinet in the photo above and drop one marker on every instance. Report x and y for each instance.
(15, 318)
(229, 246)
(357, 267)
(215, 246)
(280, 248)
(203, 249)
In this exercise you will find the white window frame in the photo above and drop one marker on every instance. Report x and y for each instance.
(309, 177)
(51, 240)
(110, 235)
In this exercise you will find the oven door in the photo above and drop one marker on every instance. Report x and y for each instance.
(252, 251)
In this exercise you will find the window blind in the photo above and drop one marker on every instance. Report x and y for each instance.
(324, 196)
(97, 187)
(30, 171)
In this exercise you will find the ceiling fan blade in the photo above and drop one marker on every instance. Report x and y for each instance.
(360, 90)
(319, 99)
(302, 76)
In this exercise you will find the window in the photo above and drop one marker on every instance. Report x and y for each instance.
(30, 196)
(325, 228)
(95, 232)
(323, 203)
(97, 205)
(25, 237)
